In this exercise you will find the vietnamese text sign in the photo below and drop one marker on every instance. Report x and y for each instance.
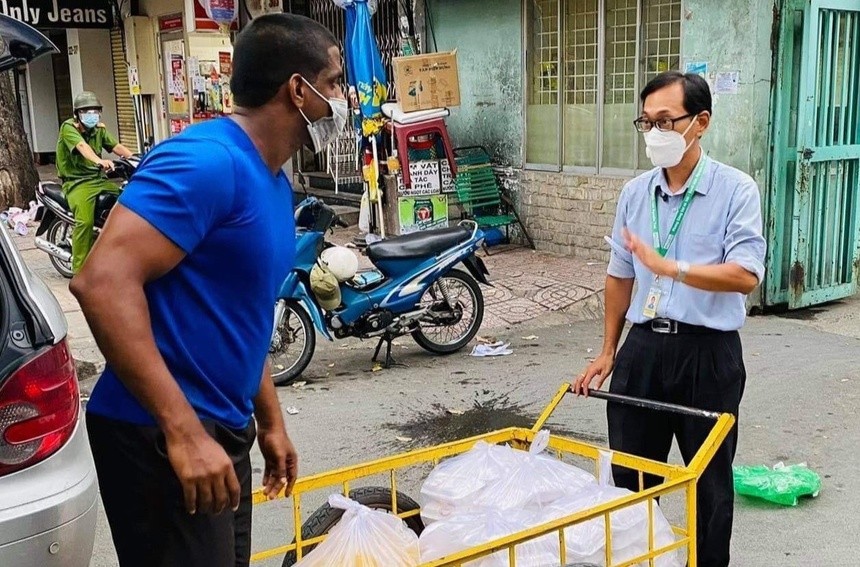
(63, 14)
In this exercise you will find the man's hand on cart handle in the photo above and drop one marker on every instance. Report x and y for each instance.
(597, 372)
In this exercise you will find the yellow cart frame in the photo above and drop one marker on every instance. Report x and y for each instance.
(676, 479)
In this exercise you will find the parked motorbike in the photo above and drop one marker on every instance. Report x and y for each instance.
(414, 289)
(58, 221)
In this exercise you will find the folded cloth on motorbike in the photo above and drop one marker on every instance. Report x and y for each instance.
(325, 288)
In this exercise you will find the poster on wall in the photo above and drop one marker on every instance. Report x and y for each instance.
(196, 18)
(177, 75)
(422, 213)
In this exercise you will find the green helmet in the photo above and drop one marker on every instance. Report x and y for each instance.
(86, 99)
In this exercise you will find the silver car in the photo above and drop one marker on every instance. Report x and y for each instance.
(48, 488)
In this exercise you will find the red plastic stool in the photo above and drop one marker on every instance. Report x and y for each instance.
(403, 132)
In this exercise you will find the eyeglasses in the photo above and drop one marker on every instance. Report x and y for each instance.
(663, 124)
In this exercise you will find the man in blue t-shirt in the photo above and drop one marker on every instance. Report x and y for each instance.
(179, 292)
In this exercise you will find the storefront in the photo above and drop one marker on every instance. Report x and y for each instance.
(195, 57)
(81, 29)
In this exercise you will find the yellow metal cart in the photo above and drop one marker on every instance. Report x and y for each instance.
(676, 479)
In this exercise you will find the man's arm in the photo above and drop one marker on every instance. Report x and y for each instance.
(278, 451)
(617, 296)
(110, 289)
(122, 151)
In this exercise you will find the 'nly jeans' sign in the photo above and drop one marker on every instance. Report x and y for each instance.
(60, 13)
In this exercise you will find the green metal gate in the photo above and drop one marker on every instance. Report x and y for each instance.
(814, 203)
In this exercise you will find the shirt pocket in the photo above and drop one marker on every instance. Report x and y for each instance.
(704, 248)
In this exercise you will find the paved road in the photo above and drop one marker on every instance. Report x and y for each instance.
(800, 405)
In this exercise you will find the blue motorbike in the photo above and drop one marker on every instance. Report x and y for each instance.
(414, 289)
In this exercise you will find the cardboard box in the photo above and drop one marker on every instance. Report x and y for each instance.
(427, 81)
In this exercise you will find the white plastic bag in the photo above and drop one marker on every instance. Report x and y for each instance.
(534, 481)
(454, 481)
(364, 213)
(364, 538)
(465, 530)
(586, 542)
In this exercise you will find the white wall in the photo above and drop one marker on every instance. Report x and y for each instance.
(91, 69)
(44, 122)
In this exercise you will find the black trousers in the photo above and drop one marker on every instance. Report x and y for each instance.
(145, 507)
(704, 371)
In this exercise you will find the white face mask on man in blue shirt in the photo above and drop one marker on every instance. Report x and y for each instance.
(667, 149)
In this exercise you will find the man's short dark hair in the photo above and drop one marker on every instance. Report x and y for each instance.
(697, 93)
(272, 49)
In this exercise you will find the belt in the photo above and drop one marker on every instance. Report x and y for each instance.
(672, 327)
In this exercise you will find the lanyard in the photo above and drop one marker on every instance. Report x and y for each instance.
(679, 216)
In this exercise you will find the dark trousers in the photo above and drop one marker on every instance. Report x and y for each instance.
(704, 371)
(145, 507)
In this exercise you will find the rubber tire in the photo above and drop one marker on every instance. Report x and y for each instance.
(429, 345)
(50, 234)
(376, 497)
(288, 375)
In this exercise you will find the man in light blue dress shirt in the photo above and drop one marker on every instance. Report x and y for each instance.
(687, 248)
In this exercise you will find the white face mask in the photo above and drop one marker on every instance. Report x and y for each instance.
(666, 149)
(325, 130)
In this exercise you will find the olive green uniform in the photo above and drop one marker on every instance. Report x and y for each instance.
(82, 182)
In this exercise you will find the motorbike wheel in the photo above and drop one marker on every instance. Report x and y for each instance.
(374, 497)
(293, 344)
(446, 330)
(59, 234)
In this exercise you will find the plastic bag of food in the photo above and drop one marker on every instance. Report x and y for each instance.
(586, 541)
(781, 484)
(454, 481)
(364, 538)
(534, 480)
(467, 529)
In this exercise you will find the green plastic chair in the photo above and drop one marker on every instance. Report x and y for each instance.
(480, 195)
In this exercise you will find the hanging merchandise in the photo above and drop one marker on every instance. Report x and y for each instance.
(222, 12)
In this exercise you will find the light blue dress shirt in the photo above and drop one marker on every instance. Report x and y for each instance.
(723, 224)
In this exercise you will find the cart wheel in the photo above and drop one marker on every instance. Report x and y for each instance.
(375, 497)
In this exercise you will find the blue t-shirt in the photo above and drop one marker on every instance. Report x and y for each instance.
(209, 191)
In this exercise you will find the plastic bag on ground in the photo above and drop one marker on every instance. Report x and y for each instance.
(465, 530)
(535, 480)
(364, 538)
(781, 485)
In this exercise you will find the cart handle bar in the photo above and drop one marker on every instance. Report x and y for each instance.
(620, 399)
(650, 404)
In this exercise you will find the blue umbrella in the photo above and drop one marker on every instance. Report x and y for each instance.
(364, 66)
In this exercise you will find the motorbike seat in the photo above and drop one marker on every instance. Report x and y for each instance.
(418, 244)
(54, 191)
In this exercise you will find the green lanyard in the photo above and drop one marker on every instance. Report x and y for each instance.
(682, 211)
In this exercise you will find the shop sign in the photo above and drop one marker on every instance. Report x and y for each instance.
(170, 23)
(62, 14)
(422, 213)
(199, 20)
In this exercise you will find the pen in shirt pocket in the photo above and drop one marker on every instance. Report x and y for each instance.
(617, 248)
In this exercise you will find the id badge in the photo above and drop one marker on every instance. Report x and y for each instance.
(652, 301)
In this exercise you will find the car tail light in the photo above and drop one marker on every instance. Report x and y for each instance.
(39, 407)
